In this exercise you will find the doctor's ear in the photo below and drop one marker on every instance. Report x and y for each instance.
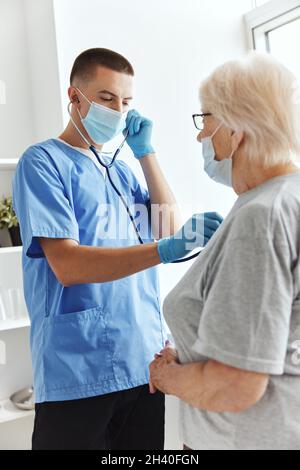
(236, 140)
(73, 95)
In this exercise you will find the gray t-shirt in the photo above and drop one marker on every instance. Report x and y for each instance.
(239, 304)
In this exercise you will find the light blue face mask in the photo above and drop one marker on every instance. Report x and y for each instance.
(101, 123)
(218, 171)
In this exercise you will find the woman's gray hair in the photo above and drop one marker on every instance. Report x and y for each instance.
(261, 97)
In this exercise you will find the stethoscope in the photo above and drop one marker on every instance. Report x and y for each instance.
(107, 167)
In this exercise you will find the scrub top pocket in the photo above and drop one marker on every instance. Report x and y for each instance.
(72, 341)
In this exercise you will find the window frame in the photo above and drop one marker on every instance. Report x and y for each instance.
(268, 17)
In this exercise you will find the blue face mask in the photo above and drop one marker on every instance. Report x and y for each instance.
(101, 123)
(218, 171)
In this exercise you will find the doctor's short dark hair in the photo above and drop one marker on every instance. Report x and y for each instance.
(86, 63)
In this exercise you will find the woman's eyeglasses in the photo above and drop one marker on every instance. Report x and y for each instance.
(199, 120)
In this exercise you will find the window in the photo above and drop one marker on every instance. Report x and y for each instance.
(274, 27)
(281, 41)
(258, 3)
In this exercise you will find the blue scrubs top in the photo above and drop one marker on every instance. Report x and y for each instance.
(87, 339)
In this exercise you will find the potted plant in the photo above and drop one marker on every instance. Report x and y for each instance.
(8, 219)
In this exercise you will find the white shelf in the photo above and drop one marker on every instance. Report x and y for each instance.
(10, 249)
(8, 412)
(6, 325)
(8, 163)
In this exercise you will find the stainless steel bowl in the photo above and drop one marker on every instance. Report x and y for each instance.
(23, 399)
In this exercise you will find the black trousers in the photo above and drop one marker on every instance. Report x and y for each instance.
(127, 420)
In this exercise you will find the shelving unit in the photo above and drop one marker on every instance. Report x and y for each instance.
(10, 249)
(10, 259)
(6, 325)
(7, 164)
(7, 169)
(16, 373)
(8, 412)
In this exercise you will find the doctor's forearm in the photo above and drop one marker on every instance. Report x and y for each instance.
(162, 199)
(77, 264)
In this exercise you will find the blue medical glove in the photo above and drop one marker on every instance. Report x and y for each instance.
(140, 132)
(195, 233)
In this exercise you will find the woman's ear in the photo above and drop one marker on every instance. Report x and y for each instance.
(236, 140)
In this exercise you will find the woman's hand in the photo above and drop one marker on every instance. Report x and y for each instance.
(158, 368)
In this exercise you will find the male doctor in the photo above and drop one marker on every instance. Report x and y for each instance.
(92, 293)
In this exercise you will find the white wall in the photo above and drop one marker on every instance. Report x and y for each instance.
(173, 45)
(16, 131)
(28, 66)
(46, 114)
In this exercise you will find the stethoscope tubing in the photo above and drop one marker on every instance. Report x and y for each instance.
(107, 167)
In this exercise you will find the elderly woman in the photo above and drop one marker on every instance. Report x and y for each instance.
(235, 315)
